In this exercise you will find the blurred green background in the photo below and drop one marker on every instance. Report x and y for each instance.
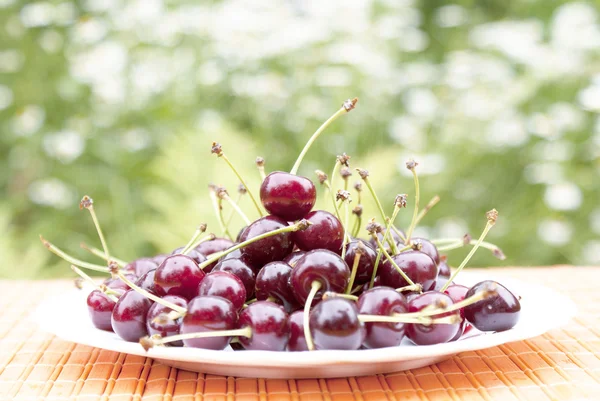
(497, 100)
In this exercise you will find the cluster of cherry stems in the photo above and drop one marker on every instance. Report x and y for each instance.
(297, 279)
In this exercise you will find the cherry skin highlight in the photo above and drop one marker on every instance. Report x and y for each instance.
(169, 328)
(444, 268)
(178, 275)
(422, 334)
(213, 246)
(240, 269)
(287, 196)
(366, 262)
(128, 318)
(498, 312)
(325, 232)
(208, 313)
(428, 248)
(458, 292)
(382, 301)
(419, 267)
(319, 265)
(100, 308)
(146, 282)
(270, 249)
(194, 254)
(269, 324)
(334, 324)
(226, 285)
(273, 281)
(297, 341)
(293, 258)
(115, 283)
(141, 266)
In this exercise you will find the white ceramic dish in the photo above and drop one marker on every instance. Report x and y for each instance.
(542, 309)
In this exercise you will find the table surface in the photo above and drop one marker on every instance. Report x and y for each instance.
(563, 364)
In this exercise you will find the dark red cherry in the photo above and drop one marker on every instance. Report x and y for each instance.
(239, 235)
(297, 341)
(419, 267)
(178, 275)
(334, 324)
(458, 292)
(158, 259)
(444, 268)
(293, 258)
(100, 308)
(365, 287)
(128, 318)
(287, 196)
(422, 334)
(325, 232)
(241, 269)
(226, 285)
(382, 301)
(214, 246)
(498, 312)
(392, 234)
(365, 263)
(194, 254)
(208, 313)
(273, 281)
(141, 266)
(270, 249)
(147, 283)
(269, 324)
(319, 265)
(115, 283)
(171, 327)
(428, 249)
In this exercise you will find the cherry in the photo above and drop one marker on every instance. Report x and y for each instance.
(321, 266)
(498, 312)
(194, 254)
(167, 327)
(141, 266)
(116, 283)
(208, 313)
(428, 249)
(325, 232)
(224, 285)
(240, 269)
(393, 234)
(270, 249)
(287, 196)
(297, 341)
(273, 281)
(100, 307)
(268, 323)
(293, 258)
(146, 282)
(458, 294)
(239, 235)
(213, 246)
(428, 334)
(444, 268)
(128, 318)
(158, 259)
(334, 324)
(383, 301)
(366, 262)
(376, 283)
(419, 267)
(178, 275)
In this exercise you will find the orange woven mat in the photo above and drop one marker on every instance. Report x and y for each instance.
(561, 365)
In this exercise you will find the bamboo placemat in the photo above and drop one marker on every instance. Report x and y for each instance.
(561, 365)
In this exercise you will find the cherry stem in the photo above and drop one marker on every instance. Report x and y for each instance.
(60, 253)
(218, 212)
(390, 223)
(99, 253)
(434, 201)
(149, 342)
(260, 165)
(300, 225)
(375, 267)
(105, 290)
(346, 226)
(350, 285)
(335, 206)
(488, 226)
(314, 287)
(357, 225)
(258, 209)
(402, 318)
(88, 203)
(236, 208)
(455, 243)
(479, 296)
(180, 310)
(346, 107)
(416, 287)
(378, 203)
(413, 223)
(209, 237)
(389, 258)
(188, 247)
(232, 213)
(331, 294)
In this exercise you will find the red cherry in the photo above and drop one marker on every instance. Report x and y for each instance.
(419, 267)
(297, 341)
(178, 275)
(325, 232)
(422, 334)
(498, 312)
(128, 318)
(270, 249)
(240, 269)
(366, 262)
(269, 324)
(383, 301)
(213, 246)
(273, 281)
(100, 308)
(428, 248)
(334, 324)
(208, 313)
(141, 266)
(287, 196)
(224, 285)
(171, 327)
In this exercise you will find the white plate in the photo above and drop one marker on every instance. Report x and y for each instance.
(542, 309)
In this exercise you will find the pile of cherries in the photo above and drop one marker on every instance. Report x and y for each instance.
(296, 279)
